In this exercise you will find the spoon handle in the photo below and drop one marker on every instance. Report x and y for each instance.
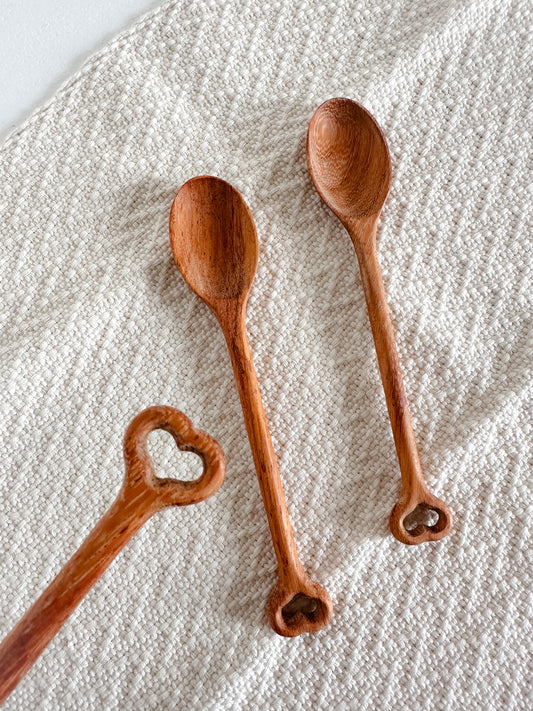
(33, 632)
(263, 452)
(415, 498)
(296, 604)
(142, 494)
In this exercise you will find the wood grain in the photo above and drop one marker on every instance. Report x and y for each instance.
(142, 494)
(214, 242)
(350, 166)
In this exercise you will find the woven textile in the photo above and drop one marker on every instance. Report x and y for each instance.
(97, 324)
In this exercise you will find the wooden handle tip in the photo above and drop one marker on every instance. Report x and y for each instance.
(294, 610)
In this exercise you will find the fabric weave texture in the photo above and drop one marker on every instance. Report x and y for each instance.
(97, 324)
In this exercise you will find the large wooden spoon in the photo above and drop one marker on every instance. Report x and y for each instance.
(214, 241)
(350, 166)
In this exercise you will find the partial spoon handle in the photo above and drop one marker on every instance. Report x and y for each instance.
(42, 621)
(141, 495)
(296, 604)
(415, 499)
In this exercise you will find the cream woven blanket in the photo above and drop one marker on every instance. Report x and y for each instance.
(97, 324)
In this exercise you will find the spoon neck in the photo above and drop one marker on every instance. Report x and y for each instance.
(231, 315)
(363, 233)
(232, 319)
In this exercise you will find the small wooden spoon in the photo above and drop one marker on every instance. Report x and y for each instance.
(213, 238)
(350, 166)
(141, 495)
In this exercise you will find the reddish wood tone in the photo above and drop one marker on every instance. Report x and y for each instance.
(142, 494)
(214, 241)
(350, 166)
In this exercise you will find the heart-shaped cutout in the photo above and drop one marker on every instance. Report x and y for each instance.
(140, 472)
(414, 523)
(168, 462)
(305, 608)
(422, 517)
(301, 604)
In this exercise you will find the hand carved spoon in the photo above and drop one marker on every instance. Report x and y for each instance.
(213, 238)
(142, 494)
(350, 166)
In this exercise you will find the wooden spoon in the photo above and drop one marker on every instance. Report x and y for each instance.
(141, 495)
(350, 166)
(213, 238)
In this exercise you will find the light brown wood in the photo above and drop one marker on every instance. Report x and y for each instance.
(214, 242)
(349, 162)
(142, 494)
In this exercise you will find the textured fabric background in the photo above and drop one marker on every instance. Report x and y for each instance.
(97, 324)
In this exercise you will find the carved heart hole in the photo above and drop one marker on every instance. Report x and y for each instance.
(169, 461)
(420, 518)
(310, 607)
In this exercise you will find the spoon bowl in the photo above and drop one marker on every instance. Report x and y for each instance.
(348, 159)
(213, 239)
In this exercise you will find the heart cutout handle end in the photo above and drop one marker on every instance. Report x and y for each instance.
(414, 522)
(293, 610)
(140, 474)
